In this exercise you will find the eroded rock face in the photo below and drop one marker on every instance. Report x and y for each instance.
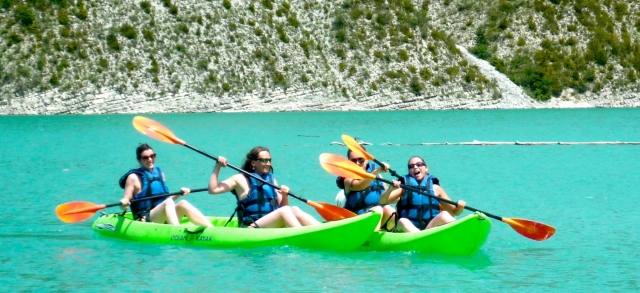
(244, 56)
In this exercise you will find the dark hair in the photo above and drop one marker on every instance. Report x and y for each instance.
(252, 155)
(349, 151)
(141, 148)
(421, 159)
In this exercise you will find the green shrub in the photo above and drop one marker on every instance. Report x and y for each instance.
(226, 4)
(65, 32)
(182, 28)
(112, 42)
(13, 38)
(145, 6)
(425, 74)
(147, 34)
(63, 17)
(352, 71)
(203, 64)
(282, 34)
(41, 62)
(54, 80)
(24, 15)
(130, 65)
(173, 10)
(128, 31)
(415, 86)
(279, 78)
(72, 47)
(452, 71)
(403, 55)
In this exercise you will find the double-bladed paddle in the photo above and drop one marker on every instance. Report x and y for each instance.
(158, 131)
(355, 147)
(340, 166)
(78, 211)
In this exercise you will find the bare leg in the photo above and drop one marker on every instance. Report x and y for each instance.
(304, 218)
(184, 208)
(282, 217)
(378, 210)
(388, 217)
(165, 212)
(441, 219)
(405, 225)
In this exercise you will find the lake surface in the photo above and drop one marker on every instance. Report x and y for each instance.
(588, 192)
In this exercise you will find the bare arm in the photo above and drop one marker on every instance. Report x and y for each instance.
(283, 194)
(131, 187)
(360, 184)
(216, 187)
(452, 209)
(392, 194)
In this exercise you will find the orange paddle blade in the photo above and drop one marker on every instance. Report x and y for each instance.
(530, 229)
(355, 147)
(330, 212)
(155, 130)
(77, 211)
(340, 166)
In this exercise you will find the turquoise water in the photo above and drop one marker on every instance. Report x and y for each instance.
(587, 192)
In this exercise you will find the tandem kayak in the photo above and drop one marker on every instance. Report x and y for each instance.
(343, 235)
(461, 237)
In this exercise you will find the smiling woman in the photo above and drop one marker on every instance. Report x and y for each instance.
(259, 205)
(417, 211)
(147, 181)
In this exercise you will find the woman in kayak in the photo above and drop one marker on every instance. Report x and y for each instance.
(417, 211)
(148, 180)
(259, 205)
(363, 195)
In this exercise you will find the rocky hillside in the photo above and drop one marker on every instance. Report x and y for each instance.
(120, 56)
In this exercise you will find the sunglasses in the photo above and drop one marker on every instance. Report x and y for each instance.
(144, 158)
(264, 161)
(357, 160)
(418, 164)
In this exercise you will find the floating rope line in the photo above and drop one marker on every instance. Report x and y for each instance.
(489, 143)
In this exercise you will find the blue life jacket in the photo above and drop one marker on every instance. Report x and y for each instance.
(419, 209)
(152, 183)
(261, 200)
(360, 201)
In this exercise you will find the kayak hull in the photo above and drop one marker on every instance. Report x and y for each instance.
(461, 237)
(344, 235)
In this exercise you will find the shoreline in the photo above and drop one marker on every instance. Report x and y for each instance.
(448, 97)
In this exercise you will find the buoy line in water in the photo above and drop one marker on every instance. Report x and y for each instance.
(489, 143)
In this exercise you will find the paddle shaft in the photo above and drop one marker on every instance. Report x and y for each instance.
(156, 196)
(393, 173)
(440, 199)
(245, 172)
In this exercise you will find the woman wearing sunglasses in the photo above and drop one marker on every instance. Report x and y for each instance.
(416, 211)
(363, 195)
(148, 180)
(259, 205)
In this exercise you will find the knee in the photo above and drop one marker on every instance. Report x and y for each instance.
(404, 222)
(388, 210)
(183, 204)
(169, 202)
(446, 216)
(296, 210)
(285, 209)
(377, 209)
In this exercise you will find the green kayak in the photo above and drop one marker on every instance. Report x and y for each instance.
(341, 235)
(462, 237)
